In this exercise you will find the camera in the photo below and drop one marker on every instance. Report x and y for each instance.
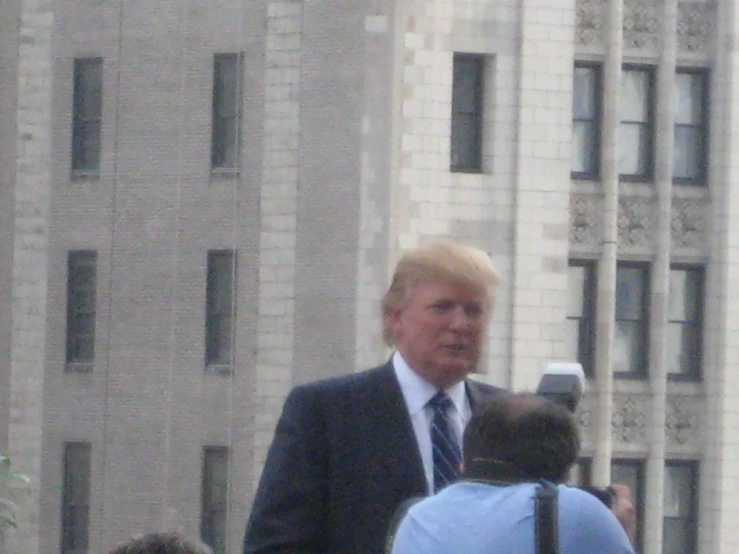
(564, 383)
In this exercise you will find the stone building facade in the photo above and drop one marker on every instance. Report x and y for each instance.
(344, 158)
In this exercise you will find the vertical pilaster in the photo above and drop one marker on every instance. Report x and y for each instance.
(30, 261)
(718, 532)
(541, 204)
(274, 371)
(660, 282)
(606, 301)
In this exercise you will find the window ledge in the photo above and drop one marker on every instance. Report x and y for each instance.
(225, 172)
(85, 174)
(78, 367)
(224, 370)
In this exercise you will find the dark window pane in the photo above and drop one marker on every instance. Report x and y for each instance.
(634, 155)
(87, 114)
(635, 96)
(81, 302)
(691, 129)
(580, 334)
(585, 121)
(214, 509)
(584, 90)
(630, 472)
(76, 498)
(466, 126)
(689, 98)
(227, 99)
(220, 296)
(580, 473)
(680, 508)
(630, 283)
(584, 151)
(688, 159)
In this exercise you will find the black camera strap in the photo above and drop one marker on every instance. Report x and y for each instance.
(546, 514)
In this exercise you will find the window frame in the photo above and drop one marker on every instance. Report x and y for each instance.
(693, 517)
(642, 370)
(701, 178)
(650, 124)
(76, 309)
(473, 140)
(70, 486)
(220, 123)
(209, 511)
(639, 496)
(695, 372)
(80, 120)
(214, 360)
(597, 68)
(586, 346)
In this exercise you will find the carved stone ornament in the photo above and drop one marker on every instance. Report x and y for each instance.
(688, 225)
(641, 25)
(694, 24)
(683, 422)
(590, 21)
(584, 221)
(634, 221)
(629, 421)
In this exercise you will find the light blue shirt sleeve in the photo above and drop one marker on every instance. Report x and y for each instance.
(587, 526)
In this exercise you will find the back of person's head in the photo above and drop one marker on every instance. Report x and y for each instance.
(438, 261)
(161, 543)
(535, 436)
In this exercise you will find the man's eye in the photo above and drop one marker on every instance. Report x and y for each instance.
(441, 307)
(474, 310)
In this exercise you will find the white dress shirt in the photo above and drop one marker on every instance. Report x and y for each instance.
(417, 392)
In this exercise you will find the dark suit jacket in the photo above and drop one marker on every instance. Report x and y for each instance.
(343, 457)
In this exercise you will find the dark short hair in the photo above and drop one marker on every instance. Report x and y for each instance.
(161, 543)
(534, 435)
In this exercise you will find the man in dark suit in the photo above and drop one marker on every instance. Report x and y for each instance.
(348, 450)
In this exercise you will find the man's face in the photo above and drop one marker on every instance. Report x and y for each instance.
(440, 330)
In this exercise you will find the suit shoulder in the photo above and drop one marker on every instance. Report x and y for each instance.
(345, 383)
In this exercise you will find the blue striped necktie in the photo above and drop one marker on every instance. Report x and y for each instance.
(446, 454)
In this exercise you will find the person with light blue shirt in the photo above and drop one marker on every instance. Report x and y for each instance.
(510, 446)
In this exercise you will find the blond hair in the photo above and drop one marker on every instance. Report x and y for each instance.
(438, 261)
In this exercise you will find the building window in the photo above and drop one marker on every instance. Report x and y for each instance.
(632, 321)
(87, 112)
(76, 498)
(581, 473)
(586, 99)
(685, 322)
(467, 113)
(220, 308)
(630, 472)
(637, 123)
(581, 300)
(691, 126)
(81, 298)
(680, 509)
(214, 507)
(227, 99)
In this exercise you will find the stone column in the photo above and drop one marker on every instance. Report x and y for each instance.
(606, 301)
(279, 218)
(541, 197)
(660, 285)
(30, 261)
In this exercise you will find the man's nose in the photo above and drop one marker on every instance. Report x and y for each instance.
(460, 318)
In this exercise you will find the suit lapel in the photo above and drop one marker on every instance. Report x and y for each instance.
(391, 431)
(479, 392)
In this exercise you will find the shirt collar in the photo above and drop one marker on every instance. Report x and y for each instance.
(417, 391)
